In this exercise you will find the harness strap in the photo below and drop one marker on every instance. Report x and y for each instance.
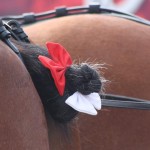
(5, 35)
(16, 31)
(28, 18)
(118, 101)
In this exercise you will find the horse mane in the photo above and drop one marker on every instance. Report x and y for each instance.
(59, 116)
(53, 103)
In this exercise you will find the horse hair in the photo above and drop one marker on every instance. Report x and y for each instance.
(77, 77)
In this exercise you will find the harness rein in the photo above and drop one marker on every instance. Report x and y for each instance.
(9, 27)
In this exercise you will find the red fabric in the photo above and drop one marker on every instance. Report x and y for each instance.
(57, 65)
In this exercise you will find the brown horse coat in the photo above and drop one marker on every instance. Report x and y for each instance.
(22, 120)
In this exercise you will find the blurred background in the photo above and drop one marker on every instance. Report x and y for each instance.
(16, 7)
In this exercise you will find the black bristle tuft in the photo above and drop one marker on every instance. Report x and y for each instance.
(83, 78)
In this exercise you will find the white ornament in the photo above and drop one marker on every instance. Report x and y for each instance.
(85, 103)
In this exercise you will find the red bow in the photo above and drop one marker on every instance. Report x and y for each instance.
(57, 65)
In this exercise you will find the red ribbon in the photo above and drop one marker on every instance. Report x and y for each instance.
(57, 65)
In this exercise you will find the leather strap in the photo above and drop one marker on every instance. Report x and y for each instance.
(118, 101)
(28, 18)
(6, 32)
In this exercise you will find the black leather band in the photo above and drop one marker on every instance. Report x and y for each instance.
(28, 18)
(118, 101)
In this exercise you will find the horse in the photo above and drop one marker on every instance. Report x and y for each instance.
(105, 131)
(123, 46)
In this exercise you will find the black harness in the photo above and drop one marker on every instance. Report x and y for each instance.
(12, 29)
(9, 27)
(28, 18)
